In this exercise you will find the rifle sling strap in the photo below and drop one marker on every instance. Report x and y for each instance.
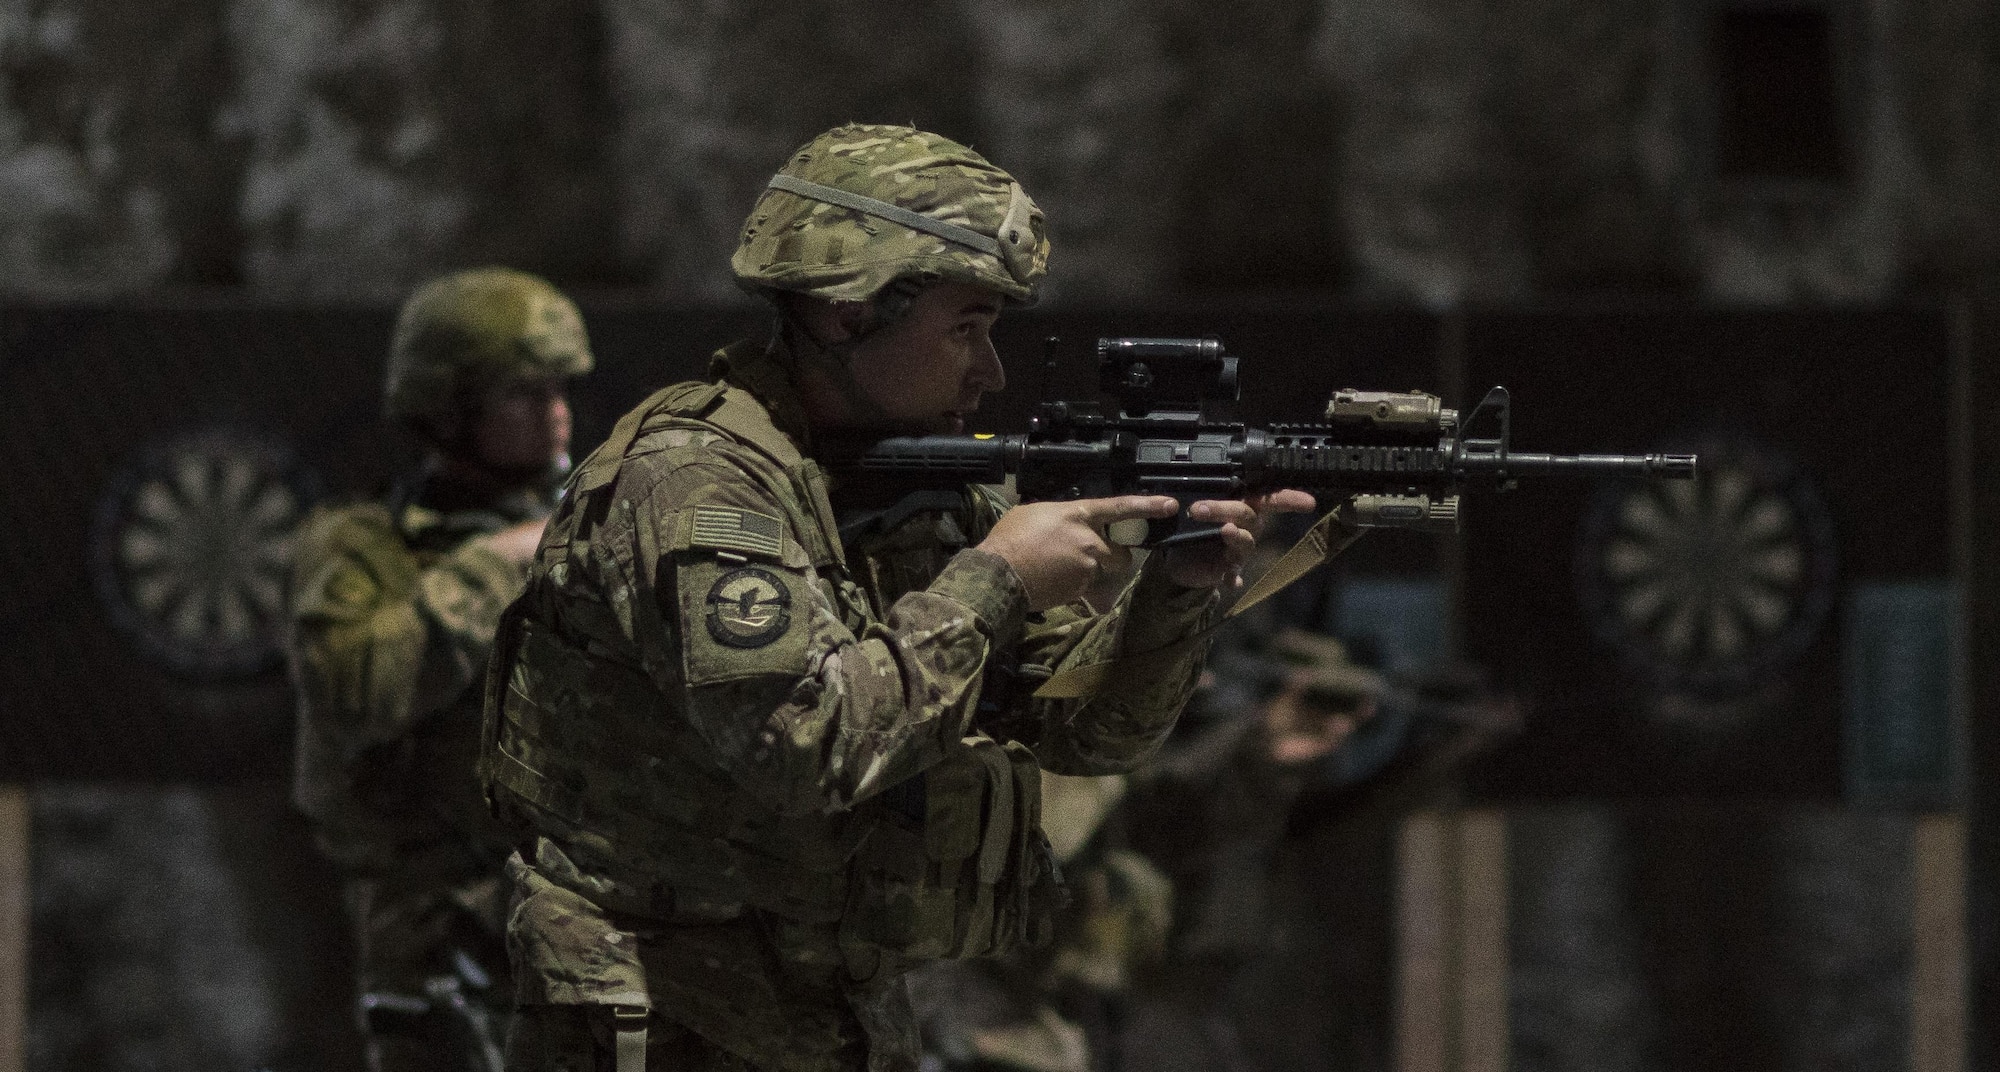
(628, 1026)
(1328, 537)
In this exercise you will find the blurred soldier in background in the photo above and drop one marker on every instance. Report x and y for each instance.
(745, 721)
(1203, 821)
(395, 604)
(1403, 740)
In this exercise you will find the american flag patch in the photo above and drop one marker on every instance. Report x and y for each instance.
(726, 528)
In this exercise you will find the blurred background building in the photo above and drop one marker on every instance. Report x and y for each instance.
(1435, 151)
(1765, 229)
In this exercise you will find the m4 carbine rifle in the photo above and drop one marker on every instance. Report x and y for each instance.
(1398, 459)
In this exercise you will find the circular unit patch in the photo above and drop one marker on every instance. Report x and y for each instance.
(749, 607)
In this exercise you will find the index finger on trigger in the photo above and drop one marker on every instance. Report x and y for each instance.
(1118, 508)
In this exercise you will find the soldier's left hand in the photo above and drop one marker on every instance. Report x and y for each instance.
(1214, 562)
(1297, 732)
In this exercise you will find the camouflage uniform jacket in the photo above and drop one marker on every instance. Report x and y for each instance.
(804, 682)
(393, 616)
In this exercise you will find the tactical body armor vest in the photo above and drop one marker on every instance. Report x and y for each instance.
(582, 747)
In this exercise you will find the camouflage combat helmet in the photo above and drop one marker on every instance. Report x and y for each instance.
(861, 207)
(1321, 663)
(461, 334)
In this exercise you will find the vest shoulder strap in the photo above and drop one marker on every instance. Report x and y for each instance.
(680, 399)
(738, 413)
(740, 416)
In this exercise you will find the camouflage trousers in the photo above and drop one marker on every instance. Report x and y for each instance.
(432, 987)
(768, 994)
(582, 1038)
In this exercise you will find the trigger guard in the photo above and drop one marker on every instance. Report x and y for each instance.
(1175, 532)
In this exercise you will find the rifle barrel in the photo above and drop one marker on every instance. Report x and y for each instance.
(1676, 466)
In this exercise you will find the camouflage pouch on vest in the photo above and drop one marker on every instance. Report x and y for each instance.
(957, 866)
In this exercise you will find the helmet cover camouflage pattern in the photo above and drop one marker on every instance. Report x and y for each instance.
(1320, 662)
(462, 334)
(861, 206)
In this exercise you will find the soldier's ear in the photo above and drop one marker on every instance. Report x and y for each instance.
(854, 317)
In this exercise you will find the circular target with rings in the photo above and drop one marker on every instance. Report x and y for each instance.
(1707, 587)
(191, 547)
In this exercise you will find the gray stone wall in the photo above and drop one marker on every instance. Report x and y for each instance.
(1434, 151)
(114, 176)
(177, 929)
(1418, 190)
(386, 141)
(1941, 66)
(710, 96)
(1074, 99)
(1688, 936)
(1579, 1002)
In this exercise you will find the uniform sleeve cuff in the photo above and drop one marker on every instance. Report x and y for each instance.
(1159, 611)
(986, 584)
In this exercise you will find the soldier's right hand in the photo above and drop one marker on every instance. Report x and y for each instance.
(1058, 548)
(517, 542)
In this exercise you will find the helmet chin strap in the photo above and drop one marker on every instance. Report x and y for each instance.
(836, 362)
